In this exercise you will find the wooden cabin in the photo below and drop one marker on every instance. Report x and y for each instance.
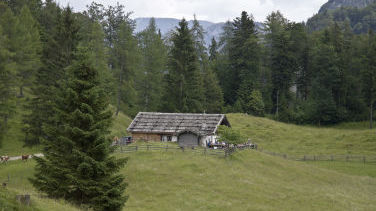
(184, 128)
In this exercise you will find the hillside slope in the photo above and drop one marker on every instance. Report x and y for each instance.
(300, 140)
(358, 14)
(249, 180)
(335, 4)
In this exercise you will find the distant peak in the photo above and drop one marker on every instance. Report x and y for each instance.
(335, 4)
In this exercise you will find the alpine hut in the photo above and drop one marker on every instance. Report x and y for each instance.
(184, 128)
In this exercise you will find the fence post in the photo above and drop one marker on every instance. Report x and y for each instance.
(205, 151)
(364, 160)
(121, 148)
(304, 158)
(147, 147)
(314, 158)
(347, 158)
(285, 156)
(332, 158)
(166, 148)
(136, 148)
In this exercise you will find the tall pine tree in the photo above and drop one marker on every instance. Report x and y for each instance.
(29, 48)
(150, 78)
(183, 88)
(77, 165)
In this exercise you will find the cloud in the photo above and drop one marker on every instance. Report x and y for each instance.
(212, 10)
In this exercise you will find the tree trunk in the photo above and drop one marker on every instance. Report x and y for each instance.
(277, 109)
(119, 92)
(21, 91)
(371, 116)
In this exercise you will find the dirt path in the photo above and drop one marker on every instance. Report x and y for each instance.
(20, 157)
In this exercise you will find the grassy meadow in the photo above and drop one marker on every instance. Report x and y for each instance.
(249, 180)
(290, 139)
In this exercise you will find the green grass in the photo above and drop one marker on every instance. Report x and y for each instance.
(19, 172)
(249, 180)
(299, 140)
(120, 124)
(351, 168)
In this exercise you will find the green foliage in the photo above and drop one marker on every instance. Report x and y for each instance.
(7, 73)
(150, 76)
(126, 57)
(183, 85)
(229, 135)
(361, 20)
(77, 165)
(255, 104)
(28, 49)
(57, 54)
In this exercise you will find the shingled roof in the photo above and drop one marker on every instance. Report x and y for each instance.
(174, 123)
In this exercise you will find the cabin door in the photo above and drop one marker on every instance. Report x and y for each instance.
(188, 139)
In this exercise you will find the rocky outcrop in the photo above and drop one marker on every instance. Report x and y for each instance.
(335, 4)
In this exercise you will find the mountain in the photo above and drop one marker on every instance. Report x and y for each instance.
(166, 25)
(358, 14)
(335, 4)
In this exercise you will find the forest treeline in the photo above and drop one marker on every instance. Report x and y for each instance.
(284, 71)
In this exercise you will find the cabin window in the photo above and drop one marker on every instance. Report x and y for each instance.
(166, 138)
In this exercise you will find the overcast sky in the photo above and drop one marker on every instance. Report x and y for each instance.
(211, 10)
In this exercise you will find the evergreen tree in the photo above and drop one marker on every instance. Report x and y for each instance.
(28, 50)
(255, 104)
(126, 57)
(369, 76)
(8, 47)
(183, 88)
(282, 63)
(77, 165)
(150, 79)
(221, 66)
(213, 96)
(213, 93)
(323, 109)
(59, 45)
(244, 57)
(213, 50)
(7, 97)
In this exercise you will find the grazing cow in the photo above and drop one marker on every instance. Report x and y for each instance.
(4, 159)
(25, 157)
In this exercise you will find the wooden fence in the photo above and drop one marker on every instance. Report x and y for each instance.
(167, 148)
(337, 157)
(228, 151)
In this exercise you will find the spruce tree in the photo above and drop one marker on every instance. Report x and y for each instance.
(28, 51)
(77, 165)
(213, 96)
(183, 88)
(59, 44)
(369, 76)
(7, 82)
(213, 50)
(125, 61)
(282, 63)
(150, 77)
(8, 47)
(245, 57)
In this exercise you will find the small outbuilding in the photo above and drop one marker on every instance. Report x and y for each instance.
(184, 128)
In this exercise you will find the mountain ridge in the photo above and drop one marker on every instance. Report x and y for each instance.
(167, 24)
(335, 4)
